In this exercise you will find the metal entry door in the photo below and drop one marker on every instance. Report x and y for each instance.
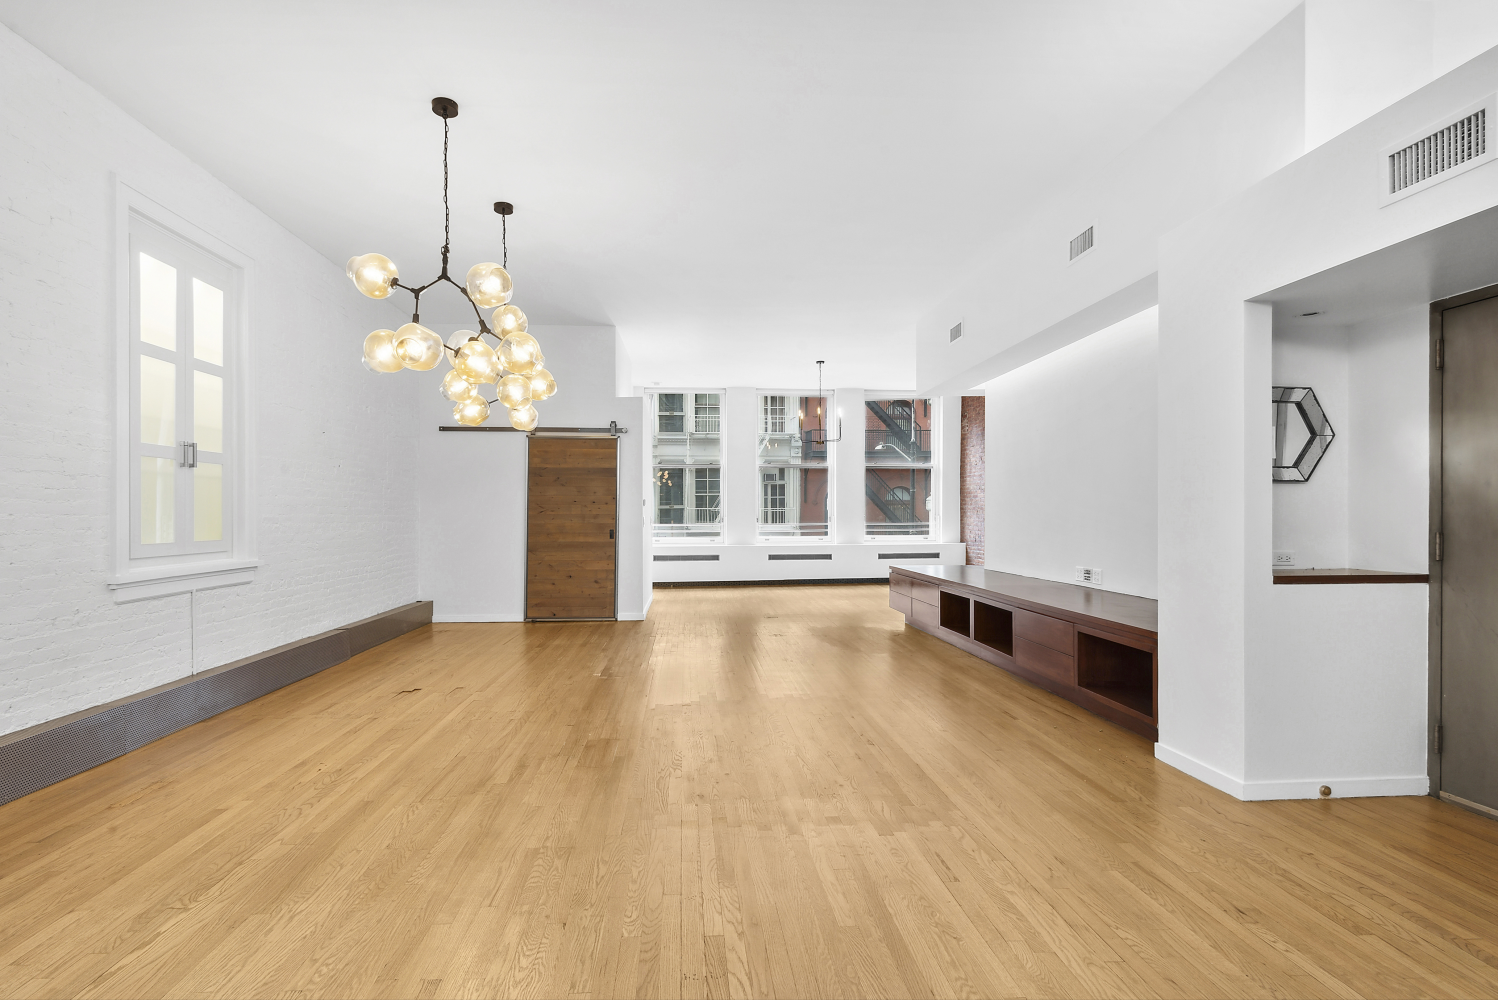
(1469, 557)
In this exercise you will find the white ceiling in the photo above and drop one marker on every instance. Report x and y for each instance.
(742, 188)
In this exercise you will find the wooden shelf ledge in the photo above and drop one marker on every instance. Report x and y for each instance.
(1347, 576)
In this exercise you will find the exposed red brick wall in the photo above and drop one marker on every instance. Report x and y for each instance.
(973, 469)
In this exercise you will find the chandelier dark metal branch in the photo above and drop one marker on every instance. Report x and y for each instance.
(515, 367)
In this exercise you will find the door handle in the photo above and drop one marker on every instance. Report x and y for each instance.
(611, 533)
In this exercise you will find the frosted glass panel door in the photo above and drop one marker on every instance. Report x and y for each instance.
(180, 332)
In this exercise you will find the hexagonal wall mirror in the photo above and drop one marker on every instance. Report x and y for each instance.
(1301, 433)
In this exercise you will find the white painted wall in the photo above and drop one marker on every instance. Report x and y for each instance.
(1388, 490)
(1367, 504)
(1310, 518)
(336, 513)
(1023, 298)
(472, 485)
(1363, 55)
(1071, 461)
(1225, 696)
(1337, 695)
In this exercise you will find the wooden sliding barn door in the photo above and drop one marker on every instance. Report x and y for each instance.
(573, 519)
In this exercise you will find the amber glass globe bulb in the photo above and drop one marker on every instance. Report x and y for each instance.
(489, 285)
(523, 418)
(542, 384)
(456, 341)
(417, 347)
(477, 362)
(379, 352)
(508, 320)
(515, 390)
(520, 353)
(471, 412)
(373, 274)
(457, 388)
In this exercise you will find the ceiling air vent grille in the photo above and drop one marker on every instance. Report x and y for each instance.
(954, 334)
(1438, 152)
(1081, 243)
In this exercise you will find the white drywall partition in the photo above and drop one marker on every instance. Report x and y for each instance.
(1362, 56)
(1310, 518)
(1026, 297)
(330, 473)
(1388, 488)
(1366, 504)
(1231, 678)
(472, 485)
(1072, 475)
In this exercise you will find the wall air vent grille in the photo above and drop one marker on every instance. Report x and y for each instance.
(1447, 148)
(1081, 243)
(954, 334)
(1457, 143)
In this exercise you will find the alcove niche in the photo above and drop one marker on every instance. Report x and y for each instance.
(1366, 504)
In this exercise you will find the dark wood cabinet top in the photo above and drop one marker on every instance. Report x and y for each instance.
(1081, 604)
(1347, 576)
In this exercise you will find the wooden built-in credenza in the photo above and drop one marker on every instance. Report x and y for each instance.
(1092, 647)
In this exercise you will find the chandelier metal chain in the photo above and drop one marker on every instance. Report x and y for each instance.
(515, 367)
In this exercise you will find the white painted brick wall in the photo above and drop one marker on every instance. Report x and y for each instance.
(336, 444)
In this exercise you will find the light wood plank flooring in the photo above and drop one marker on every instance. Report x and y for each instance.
(759, 792)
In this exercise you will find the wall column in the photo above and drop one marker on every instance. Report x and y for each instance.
(740, 472)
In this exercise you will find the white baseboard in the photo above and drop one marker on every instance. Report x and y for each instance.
(1199, 771)
(1342, 788)
(632, 616)
(1307, 788)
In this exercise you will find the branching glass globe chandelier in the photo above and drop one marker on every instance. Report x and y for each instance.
(515, 366)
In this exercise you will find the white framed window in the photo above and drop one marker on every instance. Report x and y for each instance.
(899, 469)
(687, 459)
(180, 520)
(794, 474)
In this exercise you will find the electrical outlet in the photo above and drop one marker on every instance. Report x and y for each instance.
(1089, 575)
(1283, 558)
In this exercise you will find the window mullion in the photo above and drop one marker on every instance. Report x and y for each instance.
(184, 407)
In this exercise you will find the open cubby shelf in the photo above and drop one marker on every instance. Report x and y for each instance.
(1122, 674)
(956, 613)
(993, 627)
(1092, 647)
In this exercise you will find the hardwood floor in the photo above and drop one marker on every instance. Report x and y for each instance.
(758, 792)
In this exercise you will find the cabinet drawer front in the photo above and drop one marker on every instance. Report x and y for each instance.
(925, 615)
(900, 584)
(1045, 630)
(1044, 660)
(900, 602)
(928, 593)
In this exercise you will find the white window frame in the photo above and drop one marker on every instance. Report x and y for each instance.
(789, 417)
(933, 525)
(689, 415)
(139, 572)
